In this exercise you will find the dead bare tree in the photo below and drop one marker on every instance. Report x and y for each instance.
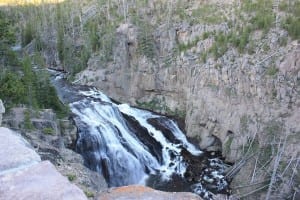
(278, 158)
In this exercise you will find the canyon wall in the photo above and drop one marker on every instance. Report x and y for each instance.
(230, 69)
(237, 103)
(236, 96)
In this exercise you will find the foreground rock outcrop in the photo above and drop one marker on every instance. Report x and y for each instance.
(24, 176)
(54, 140)
(15, 152)
(136, 192)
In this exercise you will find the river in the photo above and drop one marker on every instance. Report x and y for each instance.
(129, 145)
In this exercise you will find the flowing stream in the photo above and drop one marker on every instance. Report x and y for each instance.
(134, 146)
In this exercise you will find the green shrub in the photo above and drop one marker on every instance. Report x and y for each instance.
(7, 33)
(207, 13)
(283, 6)
(184, 47)
(272, 71)
(292, 25)
(283, 41)
(89, 194)
(227, 144)
(27, 121)
(262, 14)
(48, 131)
(244, 123)
(266, 47)
(93, 35)
(203, 57)
(220, 45)
(205, 35)
(251, 146)
(273, 129)
(29, 80)
(263, 20)
(28, 34)
(12, 89)
(71, 177)
(146, 42)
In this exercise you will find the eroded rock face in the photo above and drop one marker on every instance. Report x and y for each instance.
(24, 176)
(228, 101)
(135, 192)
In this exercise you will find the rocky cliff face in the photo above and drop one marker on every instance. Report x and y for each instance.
(235, 104)
(219, 98)
(240, 103)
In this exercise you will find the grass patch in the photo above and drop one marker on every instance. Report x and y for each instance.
(244, 123)
(159, 105)
(272, 71)
(184, 47)
(273, 129)
(71, 177)
(207, 13)
(252, 146)
(265, 154)
(89, 194)
(292, 25)
(227, 144)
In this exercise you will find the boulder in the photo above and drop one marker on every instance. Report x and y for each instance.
(136, 192)
(39, 181)
(24, 176)
(15, 152)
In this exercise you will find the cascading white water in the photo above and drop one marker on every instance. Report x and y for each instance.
(128, 160)
(128, 145)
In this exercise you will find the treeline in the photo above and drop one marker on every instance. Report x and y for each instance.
(29, 88)
(19, 83)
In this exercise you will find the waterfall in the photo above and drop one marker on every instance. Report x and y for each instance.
(129, 145)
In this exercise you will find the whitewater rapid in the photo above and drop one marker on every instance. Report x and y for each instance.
(134, 146)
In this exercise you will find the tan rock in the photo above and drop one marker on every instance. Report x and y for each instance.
(135, 192)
